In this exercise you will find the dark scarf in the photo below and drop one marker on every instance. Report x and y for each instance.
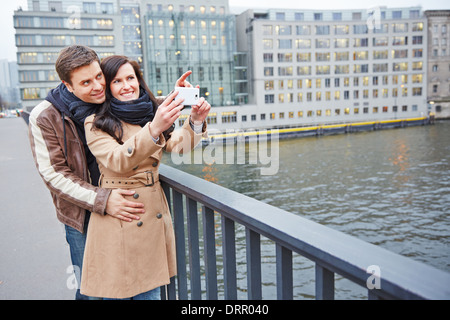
(79, 110)
(69, 105)
(138, 111)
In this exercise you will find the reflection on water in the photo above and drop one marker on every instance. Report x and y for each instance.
(390, 188)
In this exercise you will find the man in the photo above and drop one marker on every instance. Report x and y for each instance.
(65, 163)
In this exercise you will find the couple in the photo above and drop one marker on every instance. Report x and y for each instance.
(105, 113)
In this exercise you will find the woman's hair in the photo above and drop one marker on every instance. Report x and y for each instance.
(71, 58)
(104, 119)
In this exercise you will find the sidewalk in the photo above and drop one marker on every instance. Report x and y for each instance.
(34, 255)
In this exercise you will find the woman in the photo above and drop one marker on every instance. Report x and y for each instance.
(127, 137)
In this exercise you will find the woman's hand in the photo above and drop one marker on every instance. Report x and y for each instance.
(200, 111)
(165, 116)
(181, 82)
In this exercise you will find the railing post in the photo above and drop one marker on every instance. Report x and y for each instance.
(209, 253)
(180, 243)
(170, 292)
(324, 283)
(285, 290)
(194, 248)
(229, 258)
(253, 248)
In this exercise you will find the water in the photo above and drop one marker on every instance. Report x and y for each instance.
(390, 188)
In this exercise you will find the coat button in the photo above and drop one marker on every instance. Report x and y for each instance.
(159, 215)
(140, 223)
(130, 150)
(155, 164)
(136, 195)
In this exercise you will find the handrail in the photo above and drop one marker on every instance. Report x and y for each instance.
(332, 251)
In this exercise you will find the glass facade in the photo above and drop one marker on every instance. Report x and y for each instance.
(180, 41)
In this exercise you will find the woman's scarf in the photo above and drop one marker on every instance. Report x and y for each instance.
(138, 111)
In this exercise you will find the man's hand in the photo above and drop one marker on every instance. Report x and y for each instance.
(121, 208)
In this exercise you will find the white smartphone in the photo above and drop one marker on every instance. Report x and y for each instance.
(190, 95)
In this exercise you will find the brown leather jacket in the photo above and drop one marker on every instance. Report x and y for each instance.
(62, 164)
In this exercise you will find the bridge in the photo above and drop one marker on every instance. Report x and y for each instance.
(35, 259)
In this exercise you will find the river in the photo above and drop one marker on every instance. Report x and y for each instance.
(389, 187)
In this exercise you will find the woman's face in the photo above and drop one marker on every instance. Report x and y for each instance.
(125, 85)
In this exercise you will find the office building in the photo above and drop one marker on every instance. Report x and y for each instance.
(311, 67)
(48, 26)
(439, 62)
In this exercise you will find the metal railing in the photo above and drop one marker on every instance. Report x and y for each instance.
(333, 252)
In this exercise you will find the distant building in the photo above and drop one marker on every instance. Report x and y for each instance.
(49, 26)
(260, 69)
(9, 85)
(439, 62)
(332, 66)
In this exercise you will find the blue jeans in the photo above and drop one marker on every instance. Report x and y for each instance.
(154, 294)
(77, 242)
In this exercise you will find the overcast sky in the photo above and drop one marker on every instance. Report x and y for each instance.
(8, 48)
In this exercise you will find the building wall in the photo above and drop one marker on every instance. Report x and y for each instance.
(337, 69)
(44, 30)
(439, 62)
(199, 36)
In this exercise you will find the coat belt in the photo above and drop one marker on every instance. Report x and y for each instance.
(142, 179)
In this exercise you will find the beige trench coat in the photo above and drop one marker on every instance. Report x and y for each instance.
(123, 259)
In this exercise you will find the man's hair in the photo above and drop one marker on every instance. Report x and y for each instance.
(73, 57)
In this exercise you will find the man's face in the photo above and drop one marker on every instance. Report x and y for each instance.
(88, 83)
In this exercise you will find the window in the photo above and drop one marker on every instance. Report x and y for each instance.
(400, 41)
(378, 42)
(269, 98)
(268, 57)
(417, 39)
(106, 8)
(267, 44)
(400, 27)
(341, 43)
(267, 30)
(337, 16)
(89, 7)
(285, 44)
(283, 30)
(299, 16)
(417, 26)
(322, 30)
(280, 16)
(268, 71)
(229, 116)
(322, 43)
(304, 57)
(303, 30)
(317, 16)
(356, 15)
(341, 29)
(361, 42)
(396, 14)
(302, 43)
(360, 29)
